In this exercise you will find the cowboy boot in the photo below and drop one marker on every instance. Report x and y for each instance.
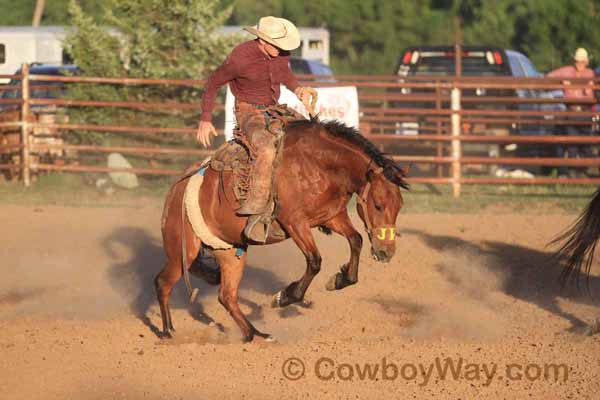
(260, 184)
(257, 202)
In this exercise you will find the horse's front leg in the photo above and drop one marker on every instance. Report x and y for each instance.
(348, 274)
(304, 239)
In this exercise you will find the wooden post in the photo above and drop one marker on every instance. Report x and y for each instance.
(458, 46)
(455, 106)
(25, 113)
(458, 60)
(38, 12)
(438, 130)
(456, 145)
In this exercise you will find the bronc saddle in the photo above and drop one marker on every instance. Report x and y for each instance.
(237, 156)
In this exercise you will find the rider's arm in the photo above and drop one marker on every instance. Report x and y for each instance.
(225, 73)
(287, 76)
(307, 95)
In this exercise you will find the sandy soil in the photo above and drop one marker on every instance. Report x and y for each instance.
(77, 314)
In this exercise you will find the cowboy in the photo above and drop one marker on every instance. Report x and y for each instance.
(254, 70)
(581, 100)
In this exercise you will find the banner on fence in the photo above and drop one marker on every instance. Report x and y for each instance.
(335, 103)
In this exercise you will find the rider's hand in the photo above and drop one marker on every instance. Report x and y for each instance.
(205, 130)
(308, 97)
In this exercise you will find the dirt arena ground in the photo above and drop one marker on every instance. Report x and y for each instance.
(469, 308)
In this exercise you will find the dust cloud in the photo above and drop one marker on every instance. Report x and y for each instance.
(462, 301)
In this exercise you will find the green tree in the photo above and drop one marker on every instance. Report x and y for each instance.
(550, 31)
(149, 39)
(547, 31)
(366, 36)
(55, 13)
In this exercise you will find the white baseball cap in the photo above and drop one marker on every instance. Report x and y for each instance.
(581, 54)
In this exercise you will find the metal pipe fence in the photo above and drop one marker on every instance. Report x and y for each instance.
(449, 123)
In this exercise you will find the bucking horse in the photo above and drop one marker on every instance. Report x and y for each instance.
(323, 164)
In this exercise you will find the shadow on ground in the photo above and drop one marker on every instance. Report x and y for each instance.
(527, 274)
(134, 278)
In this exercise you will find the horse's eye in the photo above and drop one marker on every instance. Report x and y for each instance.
(378, 207)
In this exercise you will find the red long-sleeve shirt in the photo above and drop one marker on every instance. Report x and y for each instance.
(252, 76)
(569, 72)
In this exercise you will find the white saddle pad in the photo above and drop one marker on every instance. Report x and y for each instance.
(194, 213)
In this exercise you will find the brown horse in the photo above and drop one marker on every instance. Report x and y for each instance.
(323, 165)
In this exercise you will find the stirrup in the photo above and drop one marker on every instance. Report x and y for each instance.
(257, 229)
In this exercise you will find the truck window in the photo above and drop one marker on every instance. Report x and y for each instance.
(2, 53)
(530, 70)
(515, 66)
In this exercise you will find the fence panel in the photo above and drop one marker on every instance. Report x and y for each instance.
(458, 130)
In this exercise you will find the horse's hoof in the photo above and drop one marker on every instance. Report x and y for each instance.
(270, 339)
(265, 336)
(332, 282)
(167, 334)
(276, 302)
(592, 329)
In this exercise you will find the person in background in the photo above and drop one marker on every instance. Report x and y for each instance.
(581, 100)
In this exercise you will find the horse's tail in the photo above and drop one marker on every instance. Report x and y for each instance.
(579, 243)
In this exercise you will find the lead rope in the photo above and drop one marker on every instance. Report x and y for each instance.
(192, 292)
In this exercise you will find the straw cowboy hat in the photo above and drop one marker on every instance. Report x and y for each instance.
(277, 31)
(581, 54)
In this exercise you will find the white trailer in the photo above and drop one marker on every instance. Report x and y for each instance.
(25, 44)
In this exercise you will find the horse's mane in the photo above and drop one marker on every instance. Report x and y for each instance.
(391, 170)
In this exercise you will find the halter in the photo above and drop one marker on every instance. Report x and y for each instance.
(362, 198)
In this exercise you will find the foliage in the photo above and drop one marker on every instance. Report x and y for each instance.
(367, 36)
(146, 39)
(55, 13)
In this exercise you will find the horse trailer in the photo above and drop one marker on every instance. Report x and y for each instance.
(24, 44)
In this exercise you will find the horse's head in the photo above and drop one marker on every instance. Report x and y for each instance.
(378, 204)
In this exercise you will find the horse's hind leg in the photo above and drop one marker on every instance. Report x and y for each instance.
(163, 284)
(304, 239)
(173, 270)
(232, 271)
